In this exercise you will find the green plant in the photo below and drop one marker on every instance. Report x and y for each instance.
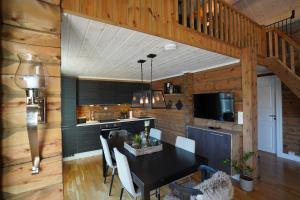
(124, 111)
(137, 139)
(240, 165)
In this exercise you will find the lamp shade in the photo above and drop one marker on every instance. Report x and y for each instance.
(31, 74)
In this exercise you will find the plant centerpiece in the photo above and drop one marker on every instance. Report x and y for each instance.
(245, 171)
(124, 113)
(137, 141)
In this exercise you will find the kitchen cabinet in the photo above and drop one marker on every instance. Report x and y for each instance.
(69, 141)
(214, 145)
(106, 92)
(136, 127)
(68, 101)
(88, 138)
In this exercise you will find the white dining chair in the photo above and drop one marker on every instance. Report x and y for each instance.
(125, 176)
(185, 143)
(155, 133)
(108, 161)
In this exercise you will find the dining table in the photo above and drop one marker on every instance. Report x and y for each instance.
(152, 171)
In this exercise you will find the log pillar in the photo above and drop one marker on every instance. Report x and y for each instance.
(249, 87)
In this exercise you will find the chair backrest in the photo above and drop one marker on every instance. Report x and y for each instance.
(185, 143)
(155, 133)
(124, 172)
(106, 151)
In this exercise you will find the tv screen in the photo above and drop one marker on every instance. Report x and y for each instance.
(217, 106)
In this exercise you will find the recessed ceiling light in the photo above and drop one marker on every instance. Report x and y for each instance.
(170, 46)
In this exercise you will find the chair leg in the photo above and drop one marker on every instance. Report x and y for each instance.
(112, 180)
(122, 190)
(157, 194)
(105, 175)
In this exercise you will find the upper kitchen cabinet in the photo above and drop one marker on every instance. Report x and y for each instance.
(106, 92)
(68, 101)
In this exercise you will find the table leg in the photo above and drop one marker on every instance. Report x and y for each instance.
(145, 193)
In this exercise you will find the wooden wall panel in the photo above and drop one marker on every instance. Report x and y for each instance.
(30, 26)
(223, 79)
(31, 14)
(291, 121)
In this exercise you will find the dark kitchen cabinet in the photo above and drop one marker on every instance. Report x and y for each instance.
(69, 141)
(215, 146)
(68, 101)
(88, 138)
(106, 92)
(136, 127)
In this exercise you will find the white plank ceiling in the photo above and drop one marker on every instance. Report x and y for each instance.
(93, 49)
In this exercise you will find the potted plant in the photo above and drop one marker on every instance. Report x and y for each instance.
(245, 171)
(124, 113)
(136, 141)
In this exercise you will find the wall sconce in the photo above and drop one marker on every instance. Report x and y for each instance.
(32, 77)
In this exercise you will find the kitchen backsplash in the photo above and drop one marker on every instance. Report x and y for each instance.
(102, 112)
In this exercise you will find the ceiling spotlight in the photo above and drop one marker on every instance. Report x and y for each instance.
(169, 47)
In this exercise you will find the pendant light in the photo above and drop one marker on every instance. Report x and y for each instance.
(156, 97)
(139, 98)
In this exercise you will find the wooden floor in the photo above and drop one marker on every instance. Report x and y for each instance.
(280, 179)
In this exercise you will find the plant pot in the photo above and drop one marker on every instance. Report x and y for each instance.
(246, 183)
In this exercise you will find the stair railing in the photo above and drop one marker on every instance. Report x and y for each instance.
(282, 47)
(284, 25)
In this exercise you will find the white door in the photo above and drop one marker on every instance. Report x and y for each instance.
(266, 119)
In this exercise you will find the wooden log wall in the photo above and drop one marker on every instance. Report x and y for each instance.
(30, 26)
(223, 79)
(155, 17)
(291, 121)
(172, 122)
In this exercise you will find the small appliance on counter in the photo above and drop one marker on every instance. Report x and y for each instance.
(169, 88)
(81, 120)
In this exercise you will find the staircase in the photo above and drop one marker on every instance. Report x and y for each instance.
(282, 59)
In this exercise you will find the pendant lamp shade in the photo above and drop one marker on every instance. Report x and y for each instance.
(139, 97)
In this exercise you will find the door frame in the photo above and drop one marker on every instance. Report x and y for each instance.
(279, 124)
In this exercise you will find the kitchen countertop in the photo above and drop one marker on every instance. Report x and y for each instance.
(119, 121)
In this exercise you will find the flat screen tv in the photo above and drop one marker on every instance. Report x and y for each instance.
(216, 106)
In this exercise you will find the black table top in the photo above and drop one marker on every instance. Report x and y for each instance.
(160, 168)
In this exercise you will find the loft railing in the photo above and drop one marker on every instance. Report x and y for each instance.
(221, 21)
(285, 25)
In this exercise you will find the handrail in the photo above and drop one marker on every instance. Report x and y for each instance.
(220, 20)
(277, 24)
(282, 47)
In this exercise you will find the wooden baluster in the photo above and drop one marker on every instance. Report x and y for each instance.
(275, 44)
(176, 11)
(205, 16)
(192, 15)
(230, 26)
(211, 25)
(199, 11)
(233, 28)
(216, 22)
(283, 51)
(221, 20)
(270, 44)
(242, 32)
(292, 58)
(226, 29)
(184, 12)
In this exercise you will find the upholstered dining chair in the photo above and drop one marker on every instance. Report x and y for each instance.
(185, 143)
(155, 133)
(108, 161)
(126, 178)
